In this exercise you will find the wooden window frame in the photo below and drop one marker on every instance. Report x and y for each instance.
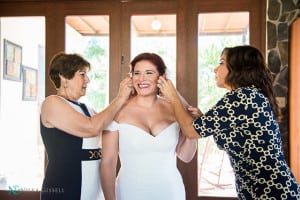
(186, 11)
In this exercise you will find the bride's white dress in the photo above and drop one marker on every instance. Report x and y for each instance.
(148, 164)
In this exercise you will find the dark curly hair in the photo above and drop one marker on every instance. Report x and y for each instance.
(247, 67)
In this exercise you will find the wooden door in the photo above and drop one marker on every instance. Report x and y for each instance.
(294, 99)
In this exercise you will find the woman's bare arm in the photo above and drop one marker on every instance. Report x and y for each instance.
(108, 164)
(183, 116)
(57, 113)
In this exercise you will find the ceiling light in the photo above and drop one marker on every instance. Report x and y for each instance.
(156, 24)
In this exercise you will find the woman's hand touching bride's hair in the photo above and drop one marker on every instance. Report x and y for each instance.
(168, 92)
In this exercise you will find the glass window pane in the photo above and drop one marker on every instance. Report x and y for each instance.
(89, 37)
(156, 34)
(216, 31)
(22, 91)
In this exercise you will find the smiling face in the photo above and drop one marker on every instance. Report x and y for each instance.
(144, 78)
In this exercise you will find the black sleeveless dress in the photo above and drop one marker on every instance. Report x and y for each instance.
(73, 165)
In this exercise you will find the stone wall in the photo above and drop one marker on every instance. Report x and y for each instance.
(280, 15)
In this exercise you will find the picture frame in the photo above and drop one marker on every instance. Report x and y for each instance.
(12, 61)
(30, 83)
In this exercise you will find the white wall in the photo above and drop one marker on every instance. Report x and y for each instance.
(20, 144)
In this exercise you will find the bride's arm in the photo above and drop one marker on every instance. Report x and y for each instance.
(108, 164)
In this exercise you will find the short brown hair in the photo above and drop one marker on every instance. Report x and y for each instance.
(66, 65)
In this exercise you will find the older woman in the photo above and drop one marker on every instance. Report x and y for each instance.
(70, 131)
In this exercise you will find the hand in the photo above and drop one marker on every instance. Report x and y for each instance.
(167, 89)
(195, 112)
(126, 88)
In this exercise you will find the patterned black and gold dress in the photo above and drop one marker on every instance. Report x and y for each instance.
(72, 171)
(243, 124)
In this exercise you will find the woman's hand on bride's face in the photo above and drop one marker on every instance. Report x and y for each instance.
(167, 89)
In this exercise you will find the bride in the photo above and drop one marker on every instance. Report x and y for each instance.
(147, 139)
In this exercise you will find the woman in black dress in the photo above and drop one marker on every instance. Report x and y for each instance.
(71, 132)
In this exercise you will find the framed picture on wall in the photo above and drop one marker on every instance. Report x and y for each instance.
(12, 61)
(29, 83)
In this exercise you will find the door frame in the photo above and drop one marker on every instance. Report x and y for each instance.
(187, 56)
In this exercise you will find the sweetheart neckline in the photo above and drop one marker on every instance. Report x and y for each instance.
(148, 133)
